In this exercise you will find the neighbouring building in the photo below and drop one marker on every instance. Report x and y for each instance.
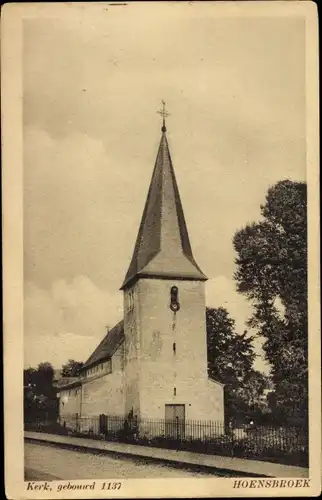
(153, 363)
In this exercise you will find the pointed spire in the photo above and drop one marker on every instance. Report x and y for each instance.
(162, 248)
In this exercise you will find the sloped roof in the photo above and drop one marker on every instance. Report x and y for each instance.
(108, 345)
(67, 383)
(162, 248)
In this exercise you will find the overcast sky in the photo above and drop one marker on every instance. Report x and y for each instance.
(92, 86)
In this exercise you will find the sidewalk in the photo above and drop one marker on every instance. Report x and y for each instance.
(235, 465)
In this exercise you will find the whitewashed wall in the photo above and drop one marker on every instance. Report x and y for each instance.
(157, 375)
(104, 394)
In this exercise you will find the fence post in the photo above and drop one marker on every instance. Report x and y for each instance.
(231, 427)
(177, 426)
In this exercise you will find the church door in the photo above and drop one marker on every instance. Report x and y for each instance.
(175, 421)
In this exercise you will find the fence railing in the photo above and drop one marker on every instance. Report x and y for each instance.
(286, 444)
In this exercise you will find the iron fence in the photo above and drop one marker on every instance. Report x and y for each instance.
(283, 444)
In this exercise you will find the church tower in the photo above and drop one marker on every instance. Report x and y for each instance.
(164, 311)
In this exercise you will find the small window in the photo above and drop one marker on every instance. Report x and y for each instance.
(174, 391)
(174, 299)
(109, 366)
(131, 300)
(174, 347)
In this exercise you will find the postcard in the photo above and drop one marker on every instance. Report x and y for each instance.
(161, 250)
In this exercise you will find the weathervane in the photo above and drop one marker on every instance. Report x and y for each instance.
(164, 114)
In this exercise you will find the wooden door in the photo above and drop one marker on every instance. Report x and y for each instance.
(175, 421)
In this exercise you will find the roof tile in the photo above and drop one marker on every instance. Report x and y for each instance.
(162, 248)
(108, 345)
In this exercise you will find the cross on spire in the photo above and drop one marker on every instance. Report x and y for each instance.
(164, 114)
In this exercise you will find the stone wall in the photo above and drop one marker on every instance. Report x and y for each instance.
(69, 405)
(132, 351)
(168, 373)
(105, 393)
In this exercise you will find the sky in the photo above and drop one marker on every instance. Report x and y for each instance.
(92, 86)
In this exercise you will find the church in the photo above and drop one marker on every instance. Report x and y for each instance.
(153, 363)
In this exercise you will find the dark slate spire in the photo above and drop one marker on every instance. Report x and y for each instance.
(162, 248)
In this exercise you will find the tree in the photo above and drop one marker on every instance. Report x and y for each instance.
(44, 379)
(252, 390)
(271, 269)
(72, 368)
(29, 377)
(40, 401)
(230, 358)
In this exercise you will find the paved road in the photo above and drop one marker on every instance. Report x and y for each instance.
(47, 462)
